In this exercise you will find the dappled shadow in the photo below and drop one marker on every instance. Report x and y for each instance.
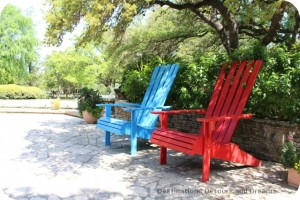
(269, 179)
(76, 145)
(66, 158)
(63, 145)
(84, 193)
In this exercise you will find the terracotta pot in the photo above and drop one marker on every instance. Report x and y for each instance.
(88, 117)
(293, 178)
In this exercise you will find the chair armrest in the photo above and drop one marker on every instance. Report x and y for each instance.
(133, 109)
(121, 104)
(108, 107)
(163, 115)
(223, 118)
(200, 111)
(164, 107)
(147, 108)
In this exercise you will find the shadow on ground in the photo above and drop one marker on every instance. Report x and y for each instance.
(66, 158)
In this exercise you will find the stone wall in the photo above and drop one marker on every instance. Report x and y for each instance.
(261, 138)
(185, 122)
(264, 138)
(119, 111)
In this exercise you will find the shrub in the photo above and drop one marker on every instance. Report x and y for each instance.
(276, 94)
(194, 83)
(136, 83)
(192, 87)
(289, 155)
(12, 91)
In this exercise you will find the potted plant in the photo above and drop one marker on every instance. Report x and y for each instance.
(290, 159)
(87, 100)
(55, 104)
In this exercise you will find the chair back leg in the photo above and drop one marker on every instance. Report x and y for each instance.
(107, 138)
(163, 155)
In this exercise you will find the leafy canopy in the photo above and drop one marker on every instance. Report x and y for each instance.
(231, 20)
(18, 45)
(72, 69)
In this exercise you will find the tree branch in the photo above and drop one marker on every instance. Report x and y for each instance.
(254, 30)
(232, 24)
(275, 24)
(183, 6)
(230, 41)
(218, 28)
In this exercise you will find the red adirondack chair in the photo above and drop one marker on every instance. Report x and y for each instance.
(232, 89)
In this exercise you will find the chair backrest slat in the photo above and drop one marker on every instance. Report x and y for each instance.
(217, 91)
(255, 68)
(232, 99)
(155, 73)
(230, 96)
(225, 90)
(160, 84)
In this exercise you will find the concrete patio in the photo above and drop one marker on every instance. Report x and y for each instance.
(59, 157)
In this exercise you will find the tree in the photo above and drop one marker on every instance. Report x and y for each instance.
(231, 20)
(17, 46)
(70, 70)
(164, 34)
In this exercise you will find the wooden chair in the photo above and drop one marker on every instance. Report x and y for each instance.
(142, 121)
(232, 89)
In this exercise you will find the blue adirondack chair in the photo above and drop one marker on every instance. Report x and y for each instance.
(142, 121)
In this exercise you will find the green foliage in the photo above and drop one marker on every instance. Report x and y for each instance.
(87, 100)
(135, 84)
(191, 89)
(297, 166)
(17, 46)
(189, 36)
(72, 69)
(289, 155)
(230, 22)
(12, 91)
(161, 34)
(276, 94)
(195, 81)
(98, 16)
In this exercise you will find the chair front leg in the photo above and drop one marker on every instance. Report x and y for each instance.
(133, 133)
(208, 128)
(163, 118)
(107, 133)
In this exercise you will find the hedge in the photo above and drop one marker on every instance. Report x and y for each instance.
(12, 91)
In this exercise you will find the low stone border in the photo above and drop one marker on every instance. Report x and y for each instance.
(70, 112)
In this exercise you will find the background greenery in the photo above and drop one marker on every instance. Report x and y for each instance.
(18, 48)
(276, 93)
(122, 42)
(12, 91)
